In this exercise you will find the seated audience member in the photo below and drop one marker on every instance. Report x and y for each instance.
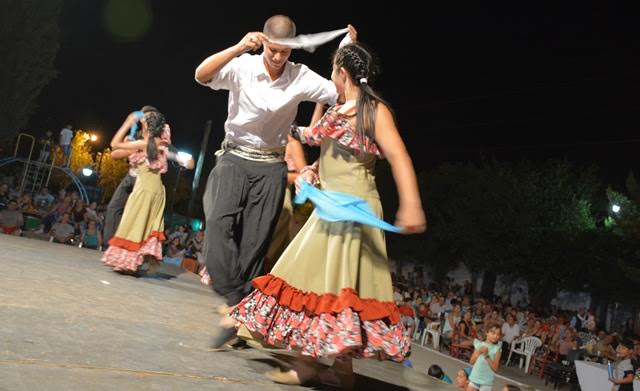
(462, 379)
(174, 252)
(407, 315)
(91, 237)
(62, 231)
(437, 372)
(194, 246)
(605, 349)
(11, 219)
(510, 333)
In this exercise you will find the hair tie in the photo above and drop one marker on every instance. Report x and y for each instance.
(363, 80)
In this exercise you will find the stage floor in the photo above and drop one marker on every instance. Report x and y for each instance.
(69, 323)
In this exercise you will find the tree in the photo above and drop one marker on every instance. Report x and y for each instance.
(516, 220)
(28, 45)
(626, 224)
(111, 172)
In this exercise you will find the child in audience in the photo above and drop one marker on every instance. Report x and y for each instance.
(485, 359)
(438, 373)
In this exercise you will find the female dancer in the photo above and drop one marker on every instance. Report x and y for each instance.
(141, 231)
(330, 293)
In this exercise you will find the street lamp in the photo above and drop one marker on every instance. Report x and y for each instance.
(87, 171)
(615, 208)
(93, 138)
(183, 157)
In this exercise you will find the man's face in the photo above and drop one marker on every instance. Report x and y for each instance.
(12, 205)
(276, 56)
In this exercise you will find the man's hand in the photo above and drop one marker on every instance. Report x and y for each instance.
(252, 41)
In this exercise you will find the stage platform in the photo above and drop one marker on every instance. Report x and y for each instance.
(69, 323)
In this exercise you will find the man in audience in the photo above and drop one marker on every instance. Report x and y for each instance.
(604, 348)
(62, 231)
(510, 332)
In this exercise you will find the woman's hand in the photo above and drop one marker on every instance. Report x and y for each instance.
(353, 33)
(412, 220)
(305, 176)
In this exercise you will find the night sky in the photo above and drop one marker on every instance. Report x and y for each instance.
(505, 81)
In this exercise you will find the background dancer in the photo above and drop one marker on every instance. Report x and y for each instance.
(115, 208)
(245, 190)
(116, 205)
(330, 293)
(141, 231)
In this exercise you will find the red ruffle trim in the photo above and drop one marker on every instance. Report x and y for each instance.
(297, 300)
(321, 336)
(121, 259)
(135, 246)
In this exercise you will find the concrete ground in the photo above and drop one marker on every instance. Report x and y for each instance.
(69, 323)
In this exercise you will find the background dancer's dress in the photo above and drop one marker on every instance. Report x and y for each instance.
(330, 292)
(141, 230)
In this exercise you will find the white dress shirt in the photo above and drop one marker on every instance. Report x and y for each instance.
(261, 110)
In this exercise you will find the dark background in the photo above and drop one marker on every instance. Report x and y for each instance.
(505, 81)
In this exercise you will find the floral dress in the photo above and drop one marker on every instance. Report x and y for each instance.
(330, 293)
(141, 229)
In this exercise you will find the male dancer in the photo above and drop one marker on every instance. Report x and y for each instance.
(245, 190)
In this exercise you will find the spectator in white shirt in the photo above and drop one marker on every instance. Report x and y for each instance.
(510, 332)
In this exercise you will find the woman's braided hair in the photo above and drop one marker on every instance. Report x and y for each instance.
(363, 67)
(155, 124)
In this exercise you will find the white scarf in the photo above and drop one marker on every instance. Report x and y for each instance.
(310, 42)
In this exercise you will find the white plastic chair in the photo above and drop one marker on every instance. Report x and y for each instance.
(433, 330)
(525, 347)
(416, 331)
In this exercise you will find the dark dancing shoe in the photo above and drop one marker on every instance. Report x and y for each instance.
(126, 272)
(221, 337)
(239, 344)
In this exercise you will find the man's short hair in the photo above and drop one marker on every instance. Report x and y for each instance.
(279, 26)
(627, 343)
